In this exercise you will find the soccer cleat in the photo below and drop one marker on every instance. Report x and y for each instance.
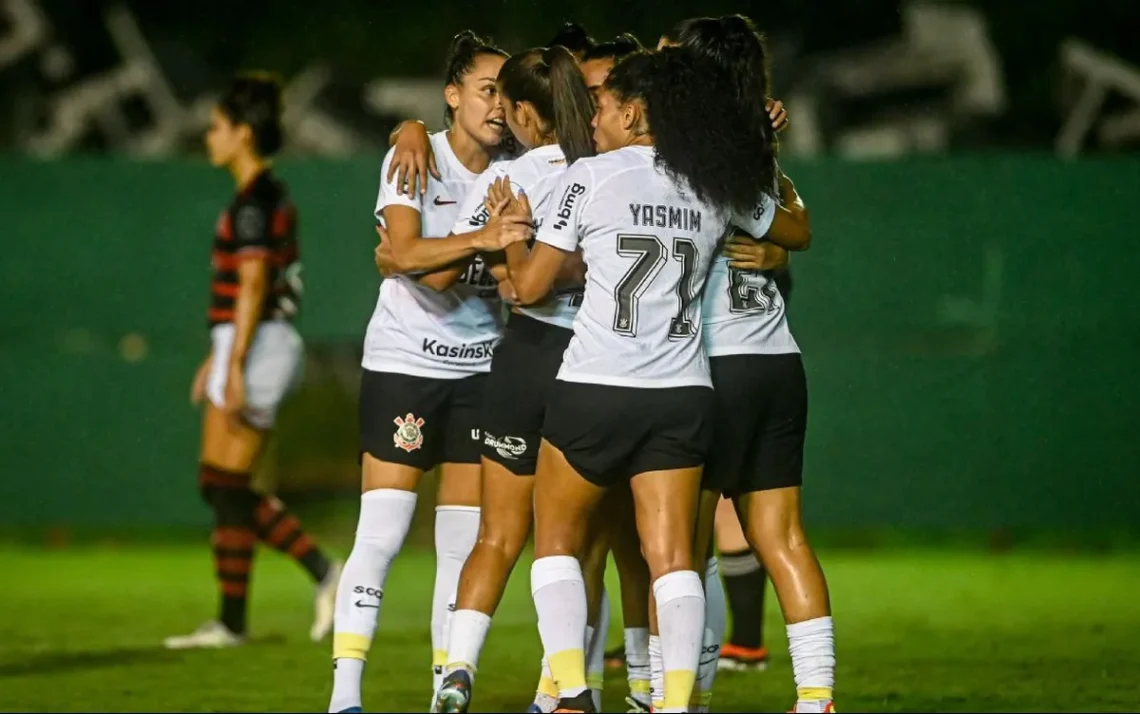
(455, 693)
(636, 707)
(534, 709)
(351, 710)
(324, 603)
(734, 658)
(212, 634)
(615, 658)
(580, 704)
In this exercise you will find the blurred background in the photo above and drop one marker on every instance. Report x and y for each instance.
(968, 317)
(967, 313)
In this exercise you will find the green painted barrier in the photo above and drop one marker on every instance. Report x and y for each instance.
(970, 330)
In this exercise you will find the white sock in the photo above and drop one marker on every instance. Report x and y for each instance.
(716, 622)
(385, 516)
(466, 635)
(637, 663)
(596, 651)
(456, 529)
(681, 619)
(656, 673)
(560, 599)
(812, 646)
(546, 696)
(347, 675)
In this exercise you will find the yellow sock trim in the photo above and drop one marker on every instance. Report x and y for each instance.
(638, 686)
(679, 685)
(809, 694)
(568, 669)
(455, 666)
(595, 680)
(547, 687)
(438, 658)
(700, 699)
(349, 646)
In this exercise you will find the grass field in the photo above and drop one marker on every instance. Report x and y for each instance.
(918, 630)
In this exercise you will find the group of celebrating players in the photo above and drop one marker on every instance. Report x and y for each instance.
(579, 326)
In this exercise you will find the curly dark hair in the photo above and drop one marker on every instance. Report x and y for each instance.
(737, 47)
(701, 133)
(254, 99)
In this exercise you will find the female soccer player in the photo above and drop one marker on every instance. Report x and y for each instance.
(745, 582)
(548, 110)
(254, 362)
(632, 393)
(426, 354)
(761, 391)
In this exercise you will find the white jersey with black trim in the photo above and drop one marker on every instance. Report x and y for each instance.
(647, 245)
(744, 312)
(537, 173)
(414, 329)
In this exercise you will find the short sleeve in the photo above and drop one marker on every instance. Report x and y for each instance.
(563, 223)
(757, 222)
(389, 196)
(473, 214)
(253, 225)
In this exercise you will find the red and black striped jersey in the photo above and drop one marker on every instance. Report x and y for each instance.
(260, 223)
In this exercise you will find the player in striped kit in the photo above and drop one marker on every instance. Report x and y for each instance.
(255, 361)
(426, 354)
(630, 399)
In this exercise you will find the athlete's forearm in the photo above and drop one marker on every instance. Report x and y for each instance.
(253, 277)
(434, 253)
(573, 272)
(444, 278)
(533, 273)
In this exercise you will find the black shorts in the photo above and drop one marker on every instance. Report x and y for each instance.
(419, 421)
(759, 423)
(610, 434)
(523, 372)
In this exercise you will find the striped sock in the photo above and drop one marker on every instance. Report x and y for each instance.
(281, 529)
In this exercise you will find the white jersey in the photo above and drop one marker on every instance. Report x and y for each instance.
(414, 329)
(647, 247)
(538, 173)
(744, 313)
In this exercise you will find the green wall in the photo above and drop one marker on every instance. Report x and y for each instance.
(969, 325)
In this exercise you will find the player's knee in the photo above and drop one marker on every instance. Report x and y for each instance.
(778, 540)
(232, 506)
(506, 540)
(667, 557)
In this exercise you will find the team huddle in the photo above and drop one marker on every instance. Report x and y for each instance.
(579, 327)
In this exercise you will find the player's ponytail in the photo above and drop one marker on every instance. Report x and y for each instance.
(573, 106)
(254, 99)
(550, 81)
(465, 48)
(573, 37)
(621, 46)
(734, 45)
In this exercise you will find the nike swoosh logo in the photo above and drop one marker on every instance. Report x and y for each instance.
(440, 202)
(711, 661)
(361, 603)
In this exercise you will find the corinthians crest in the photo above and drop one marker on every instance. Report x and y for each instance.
(408, 435)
